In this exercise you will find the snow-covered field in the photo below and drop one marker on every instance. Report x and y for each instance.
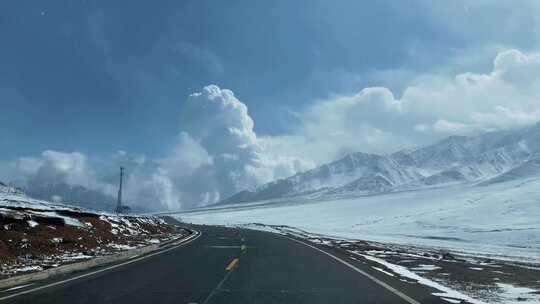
(499, 220)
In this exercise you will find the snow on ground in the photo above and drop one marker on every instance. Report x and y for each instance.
(18, 200)
(512, 294)
(36, 234)
(499, 220)
(426, 267)
(482, 224)
(443, 291)
(453, 278)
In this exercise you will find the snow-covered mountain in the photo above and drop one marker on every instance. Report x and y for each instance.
(487, 158)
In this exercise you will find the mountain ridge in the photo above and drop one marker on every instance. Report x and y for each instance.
(455, 159)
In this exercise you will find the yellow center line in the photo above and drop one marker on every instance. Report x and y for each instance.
(232, 264)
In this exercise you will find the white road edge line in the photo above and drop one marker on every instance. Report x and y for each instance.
(184, 242)
(367, 275)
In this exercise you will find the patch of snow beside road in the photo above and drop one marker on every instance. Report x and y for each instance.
(445, 292)
(512, 294)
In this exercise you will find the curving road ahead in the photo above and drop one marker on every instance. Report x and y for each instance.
(227, 265)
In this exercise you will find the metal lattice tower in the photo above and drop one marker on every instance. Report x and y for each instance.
(119, 201)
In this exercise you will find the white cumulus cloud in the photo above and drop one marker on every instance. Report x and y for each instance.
(218, 153)
(434, 106)
(54, 167)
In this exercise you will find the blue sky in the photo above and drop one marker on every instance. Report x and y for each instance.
(98, 77)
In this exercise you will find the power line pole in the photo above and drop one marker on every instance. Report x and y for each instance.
(119, 201)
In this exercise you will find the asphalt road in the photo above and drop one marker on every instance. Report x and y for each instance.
(232, 266)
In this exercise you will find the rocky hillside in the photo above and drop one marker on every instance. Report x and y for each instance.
(35, 234)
